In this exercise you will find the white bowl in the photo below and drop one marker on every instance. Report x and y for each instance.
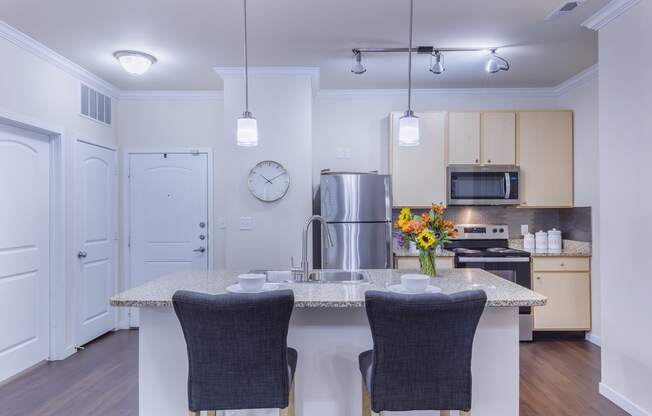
(251, 282)
(415, 283)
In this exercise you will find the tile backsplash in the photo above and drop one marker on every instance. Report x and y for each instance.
(574, 223)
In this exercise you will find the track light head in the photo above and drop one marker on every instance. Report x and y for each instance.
(496, 63)
(358, 67)
(437, 67)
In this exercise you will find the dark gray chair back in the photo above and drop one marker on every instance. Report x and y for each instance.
(422, 349)
(237, 349)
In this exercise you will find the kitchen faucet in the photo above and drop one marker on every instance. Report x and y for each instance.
(304, 245)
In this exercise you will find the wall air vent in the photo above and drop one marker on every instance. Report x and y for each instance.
(95, 105)
(564, 8)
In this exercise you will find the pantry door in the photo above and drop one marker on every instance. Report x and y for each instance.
(24, 249)
(168, 215)
(96, 235)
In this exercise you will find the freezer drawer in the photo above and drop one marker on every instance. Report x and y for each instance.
(355, 197)
(358, 246)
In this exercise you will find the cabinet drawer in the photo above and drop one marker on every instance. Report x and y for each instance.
(560, 264)
(569, 301)
(412, 263)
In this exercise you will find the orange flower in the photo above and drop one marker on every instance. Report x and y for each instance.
(426, 217)
(419, 226)
(438, 208)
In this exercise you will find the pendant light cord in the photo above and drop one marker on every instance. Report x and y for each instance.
(409, 58)
(245, 60)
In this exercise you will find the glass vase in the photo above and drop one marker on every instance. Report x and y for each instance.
(427, 262)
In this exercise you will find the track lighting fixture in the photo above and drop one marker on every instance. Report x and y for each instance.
(496, 63)
(358, 67)
(438, 66)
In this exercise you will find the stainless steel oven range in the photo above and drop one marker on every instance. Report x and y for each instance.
(485, 246)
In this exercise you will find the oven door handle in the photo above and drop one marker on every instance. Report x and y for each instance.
(508, 185)
(493, 259)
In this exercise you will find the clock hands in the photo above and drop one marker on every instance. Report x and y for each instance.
(268, 181)
(280, 174)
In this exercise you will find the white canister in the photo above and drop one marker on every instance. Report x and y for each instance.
(528, 242)
(541, 242)
(554, 241)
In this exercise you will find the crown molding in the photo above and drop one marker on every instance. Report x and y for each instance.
(608, 13)
(31, 45)
(171, 95)
(577, 80)
(272, 72)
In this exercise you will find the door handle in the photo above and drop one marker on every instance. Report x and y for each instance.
(82, 254)
(200, 249)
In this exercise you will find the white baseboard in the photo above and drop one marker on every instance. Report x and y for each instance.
(622, 401)
(593, 339)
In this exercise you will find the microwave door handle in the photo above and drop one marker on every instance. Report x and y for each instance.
(508, 185)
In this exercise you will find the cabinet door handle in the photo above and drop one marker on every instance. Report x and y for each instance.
(477, 160)
(562, 264)
(538, 277)
(489, 161)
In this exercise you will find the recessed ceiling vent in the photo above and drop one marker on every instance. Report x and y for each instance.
(95, 105)
(564, 9)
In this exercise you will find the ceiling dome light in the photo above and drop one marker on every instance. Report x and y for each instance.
(496, 63)
(438, 66)
(134, 62)
(358, 67)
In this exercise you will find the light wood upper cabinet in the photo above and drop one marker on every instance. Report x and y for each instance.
(546, 158)
(419, 172)
(499, 138)
(464, 138)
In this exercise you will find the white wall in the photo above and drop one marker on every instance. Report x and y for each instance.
(33, 88)
(625, 201)
(583, 100)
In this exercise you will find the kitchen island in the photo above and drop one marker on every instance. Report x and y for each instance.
(329, 329)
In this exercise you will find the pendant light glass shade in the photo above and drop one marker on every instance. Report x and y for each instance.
(408, 130)
(247, 134)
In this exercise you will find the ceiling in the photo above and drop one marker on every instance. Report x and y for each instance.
(191, 37)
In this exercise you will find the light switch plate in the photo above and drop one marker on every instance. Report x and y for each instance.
(524, 229)
(246, 223)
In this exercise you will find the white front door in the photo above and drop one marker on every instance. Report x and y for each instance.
(24, 249)
(96, 233)
(168, 214)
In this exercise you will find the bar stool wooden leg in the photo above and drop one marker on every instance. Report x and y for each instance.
(462, 413)
(191, 413)
(366, 405)
(444, 413)
(289, 411)
(212, 413)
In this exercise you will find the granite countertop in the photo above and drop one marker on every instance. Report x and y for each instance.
(570, 248)
(500, 292)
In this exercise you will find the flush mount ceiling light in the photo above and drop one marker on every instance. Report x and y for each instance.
(247, 131)
(358, 67)
(408, 125)
(496, 63)
(134, 62)
(437, 67)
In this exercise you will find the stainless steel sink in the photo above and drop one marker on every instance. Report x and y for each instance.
(337, 276)
(317, 276)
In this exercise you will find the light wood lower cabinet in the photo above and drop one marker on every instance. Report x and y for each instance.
(566, 282)
(412, 263)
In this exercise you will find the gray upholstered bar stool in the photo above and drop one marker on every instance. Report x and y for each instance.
(237, 350)
(422, 351)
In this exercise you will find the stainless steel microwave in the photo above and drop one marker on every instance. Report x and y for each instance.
(483, 185)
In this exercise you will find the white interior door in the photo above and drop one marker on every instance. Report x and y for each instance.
(168, 196)
(24, 249)
(96, 233)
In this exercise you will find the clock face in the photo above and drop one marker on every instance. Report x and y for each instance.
(268, 181)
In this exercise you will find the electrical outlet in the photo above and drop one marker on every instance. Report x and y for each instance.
(246, 223)
(343, 153)
(524, 229)
(221, 223)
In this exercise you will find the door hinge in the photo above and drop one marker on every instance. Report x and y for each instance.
(129, 240)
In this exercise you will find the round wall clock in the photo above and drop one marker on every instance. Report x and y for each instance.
(268, 181)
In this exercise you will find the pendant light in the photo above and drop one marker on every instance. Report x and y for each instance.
(408, 125)
(247, 134)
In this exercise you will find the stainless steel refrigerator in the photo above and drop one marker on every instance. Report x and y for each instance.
(358, 209)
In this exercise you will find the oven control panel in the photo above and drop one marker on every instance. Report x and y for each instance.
(481, 231)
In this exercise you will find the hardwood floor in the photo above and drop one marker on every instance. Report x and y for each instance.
(558, 378)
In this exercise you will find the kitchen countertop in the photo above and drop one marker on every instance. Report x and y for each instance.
(500, 292)
(570, 248)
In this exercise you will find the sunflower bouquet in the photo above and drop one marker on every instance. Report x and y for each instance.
(428, 231)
